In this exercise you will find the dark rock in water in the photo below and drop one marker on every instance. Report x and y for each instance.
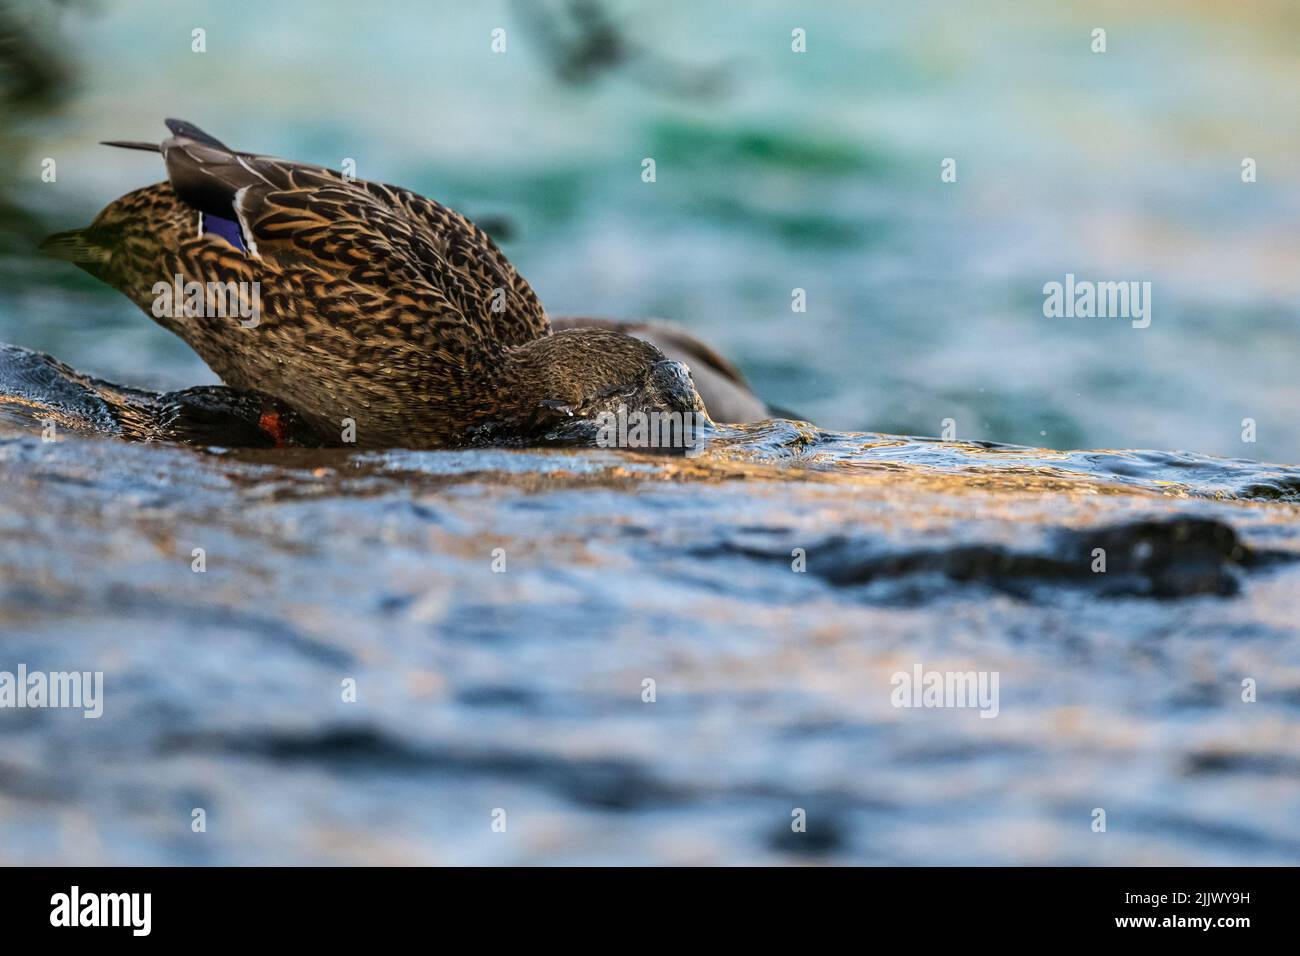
(1163, 559)
(36, 389)
(375, 658)
(610, 784)
(1180, 557)
(819, 833)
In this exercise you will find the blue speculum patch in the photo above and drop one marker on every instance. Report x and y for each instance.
(227, 229)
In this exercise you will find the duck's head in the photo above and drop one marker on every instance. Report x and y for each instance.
(122, 241)
(598, 385)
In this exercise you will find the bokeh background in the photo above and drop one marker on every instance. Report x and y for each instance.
(775, 170)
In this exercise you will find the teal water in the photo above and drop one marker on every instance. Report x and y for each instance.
(775, 171)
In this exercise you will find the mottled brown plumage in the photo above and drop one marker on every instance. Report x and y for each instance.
(726, 394)
(377, 306)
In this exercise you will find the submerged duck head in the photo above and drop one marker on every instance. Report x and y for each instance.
(570, 384)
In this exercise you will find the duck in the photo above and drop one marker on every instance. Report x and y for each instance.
(379, 317)
(724, 390)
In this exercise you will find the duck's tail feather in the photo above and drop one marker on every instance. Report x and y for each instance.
(183, 130)
(131, 144)
(206, 173)
(74, 246)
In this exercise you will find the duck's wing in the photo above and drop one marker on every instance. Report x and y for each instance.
(466, 248)
(379, 237)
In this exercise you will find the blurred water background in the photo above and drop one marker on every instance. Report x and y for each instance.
(775, 171)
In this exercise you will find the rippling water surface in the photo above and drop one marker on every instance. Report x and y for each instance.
(522, 689)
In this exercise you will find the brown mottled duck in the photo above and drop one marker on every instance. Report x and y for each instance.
(727, 396)
(381, 317)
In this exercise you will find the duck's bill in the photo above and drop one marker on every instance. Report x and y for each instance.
(71, 246)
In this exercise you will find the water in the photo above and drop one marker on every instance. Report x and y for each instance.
(500, 611)
(521, 688)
